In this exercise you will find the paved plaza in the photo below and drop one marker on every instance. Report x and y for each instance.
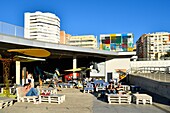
(78, 102)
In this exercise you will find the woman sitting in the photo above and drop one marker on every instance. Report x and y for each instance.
(111, 88)
(119, 88)
(29, 91)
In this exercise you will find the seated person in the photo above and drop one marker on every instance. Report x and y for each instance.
(29, 91)
(111, 88)
(119, 88)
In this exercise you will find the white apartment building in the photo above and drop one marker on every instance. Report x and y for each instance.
(153, 45)
(42, 26)
(89, 41)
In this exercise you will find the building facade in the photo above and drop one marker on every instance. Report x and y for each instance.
(64, 38)
(116, 42)
(153, 45)
(42, 26)
(88, 41)
(140, 47)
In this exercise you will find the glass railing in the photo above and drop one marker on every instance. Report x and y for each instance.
(13, 30)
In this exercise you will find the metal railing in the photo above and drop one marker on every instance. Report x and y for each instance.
(155, 73)
(149, 59)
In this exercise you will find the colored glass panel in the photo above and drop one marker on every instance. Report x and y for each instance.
(103, 41)
(125, 40)
(113, 38)
(107, 38)
(130, 45)
(130, 49)
(124, 35)
(101, 46)
(106, 46)
(124, 46)
(113, 46)
(112, 35)
(118, 39)
(107, 41)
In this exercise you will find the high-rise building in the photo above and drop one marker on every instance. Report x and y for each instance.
(64, 38)
(116, 42)
(42, 26)
(153, 45)
(88, 41)
(140, 47)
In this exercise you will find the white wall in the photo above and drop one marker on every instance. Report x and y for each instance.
(101, 67)
(117, 63)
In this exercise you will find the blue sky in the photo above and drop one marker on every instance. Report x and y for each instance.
(83, 17)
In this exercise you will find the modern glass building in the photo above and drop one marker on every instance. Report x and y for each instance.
(117, 42)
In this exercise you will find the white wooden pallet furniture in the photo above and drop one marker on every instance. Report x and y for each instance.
(142, 98)
(126, 87)
(11, 90)
(100, 88)
(6, 102)
(88, 88)
(118, 98)
(22, 98)
(48, 90)
(53, 98)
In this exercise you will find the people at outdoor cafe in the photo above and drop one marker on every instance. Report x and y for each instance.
(114, 90)
(29, 91)
(111, 89)
(119, 88)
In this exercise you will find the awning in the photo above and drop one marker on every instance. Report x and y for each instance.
(32, 52)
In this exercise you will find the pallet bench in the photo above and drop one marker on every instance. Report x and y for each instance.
(126, 87)
(6, 102)
(118, 98)
(88, 90)
(142, 98)
(28, 99)
(100, 88)
(22, 98)
(53, 98)
(48, 90)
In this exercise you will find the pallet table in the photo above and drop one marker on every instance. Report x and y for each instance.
(142, 98)
(56, 98)
(118, 98)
